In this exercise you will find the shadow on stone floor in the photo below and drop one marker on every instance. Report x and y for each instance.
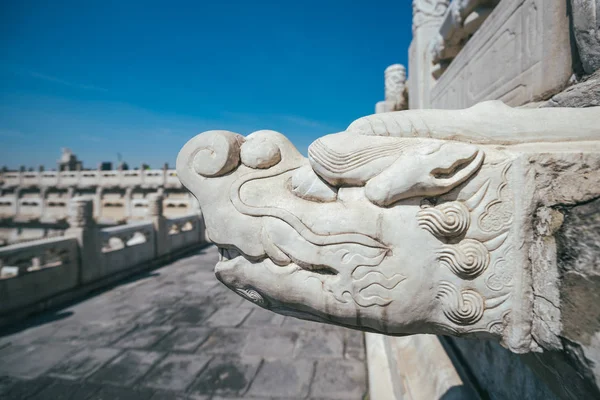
(178, 333)
(57, 313)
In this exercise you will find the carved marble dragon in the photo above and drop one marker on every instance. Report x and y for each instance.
(407, 222)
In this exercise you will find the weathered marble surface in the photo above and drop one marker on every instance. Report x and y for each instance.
(395, 226)
(427, 17)
(521, 53)
(462, 19)
(586, 29)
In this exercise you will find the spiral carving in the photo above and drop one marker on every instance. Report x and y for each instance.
(462, 308)
(252, 295)
(218, 153)
(468, 259)
(446, 220)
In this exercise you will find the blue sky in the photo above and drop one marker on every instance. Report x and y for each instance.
(141, 78)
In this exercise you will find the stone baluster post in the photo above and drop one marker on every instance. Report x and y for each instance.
(78, 173)
(395, 90)
(427, 18)
(40, 173)
(98, 202)
(165, 172)
(155, 212)
(43, 194)
(119, 172)
(83, 227)
(70, 196)
(22, 170)
(128, 197)
(17, 201)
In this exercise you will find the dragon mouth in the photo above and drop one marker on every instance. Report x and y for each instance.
(229, 253)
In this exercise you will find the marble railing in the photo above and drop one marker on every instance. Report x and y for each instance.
(31, 272)
(120, 237)
(91, 178)
(183, 231)
(127, 245)
(36, 273)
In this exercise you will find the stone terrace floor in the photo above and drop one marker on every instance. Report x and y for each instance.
(178, 333)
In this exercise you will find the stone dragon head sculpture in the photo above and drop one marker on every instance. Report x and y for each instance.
(397, 225)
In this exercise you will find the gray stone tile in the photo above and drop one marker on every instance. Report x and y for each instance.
(33, 335)
(354, 345)
(194, 289)
(225, 341)
(222, 296)
(339, 379)
(67, 390)
(119, 393)
(25, 389)
(29, 362)
(183, 339)
(176, 371)
(228, 317)
(127, 368)
(319, 344)
(188, 293)
(156, 315)
(144, 337)
(261, 317)
(107, 309)
(193, 314)
(92, 334)
(283, 378)
(6, 382)
(226, 375)
(249, 398)
(198, 397)
(168, 395)
(271, 343)
(83, 363)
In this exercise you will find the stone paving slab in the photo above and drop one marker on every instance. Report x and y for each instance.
(144, 338)
(283, 378)
(271, 343)
(83, 363)
(313, 344)
(339, 379)
(32, 361)
(185, 339)
(225, 341)
(126, 369)
(176, 372)
(227, 375)
(176, 333)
